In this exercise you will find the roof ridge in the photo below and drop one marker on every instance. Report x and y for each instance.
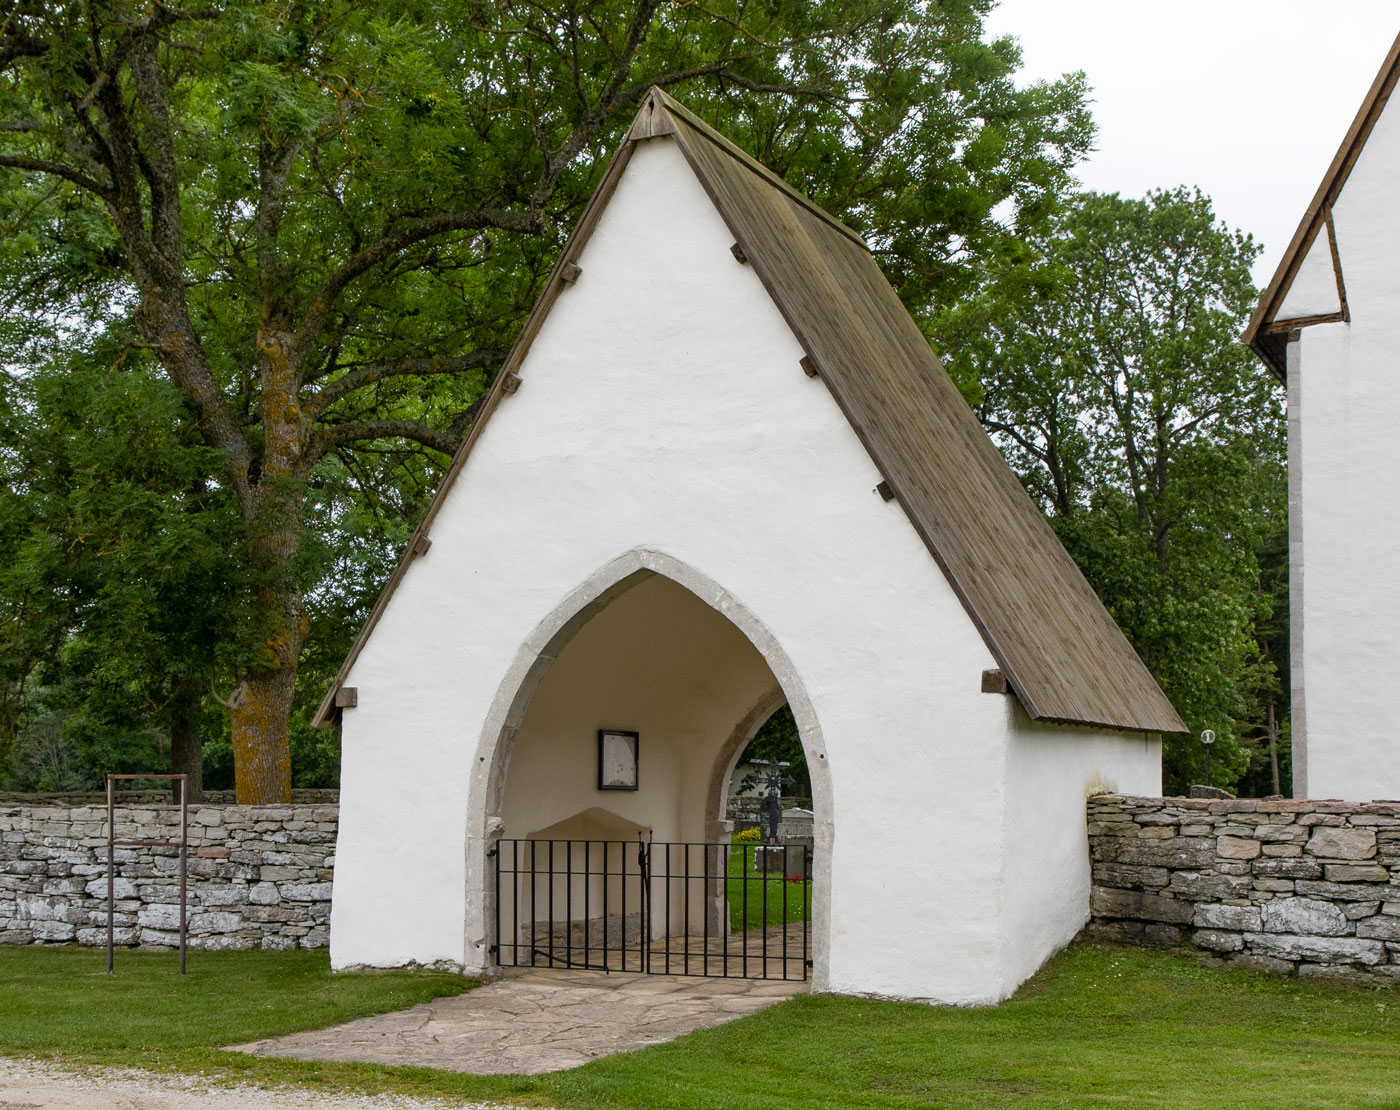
(749, 162)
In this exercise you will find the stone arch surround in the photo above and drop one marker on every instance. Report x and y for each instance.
(544, 645)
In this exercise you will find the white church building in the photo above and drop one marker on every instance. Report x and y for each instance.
(1326, 327)
(721, 471)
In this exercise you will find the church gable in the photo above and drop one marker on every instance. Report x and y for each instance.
(911, 434)
(1309, 286)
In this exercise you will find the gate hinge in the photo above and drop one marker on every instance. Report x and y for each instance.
(490, 853)
(496, 948)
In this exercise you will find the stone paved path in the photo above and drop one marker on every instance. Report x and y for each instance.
(536, 1020)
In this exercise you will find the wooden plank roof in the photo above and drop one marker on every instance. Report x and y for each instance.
(1063, 655)
(1266, 334)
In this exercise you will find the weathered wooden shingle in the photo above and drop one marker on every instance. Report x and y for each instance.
(1062, 654)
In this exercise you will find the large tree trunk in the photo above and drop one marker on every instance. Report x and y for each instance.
(262, 702)
(262, 757)
(261, 706)
(186, 745)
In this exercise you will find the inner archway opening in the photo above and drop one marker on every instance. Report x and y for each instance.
(770, 787)
(615, 845)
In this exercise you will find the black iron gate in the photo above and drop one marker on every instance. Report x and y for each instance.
(726, 910)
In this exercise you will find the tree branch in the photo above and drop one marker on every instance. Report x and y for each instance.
(16, 44)
(58, 169)
(467, 417)
(595, 115)
(274, 167)
(364, 260)
(338, 435)
(335, 199)
(163, 17)
(371, 372)
(721, 69)
(636, 35)
(162, 174)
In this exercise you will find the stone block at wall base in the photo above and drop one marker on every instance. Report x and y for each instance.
(232, 943)
(1141, 934)
(1324, 950)
(1304, 915)
(1107, 902)
(1335, 973)
(1239, 918)
(1262, 963)
(1217, 940)
(1379, 928)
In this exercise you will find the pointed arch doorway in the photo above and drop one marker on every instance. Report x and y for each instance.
(567, 869)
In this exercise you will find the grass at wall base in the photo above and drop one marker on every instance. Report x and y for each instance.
(1097, 1027)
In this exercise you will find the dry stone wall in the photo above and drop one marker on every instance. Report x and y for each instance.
(1305, 887)
(258, 876)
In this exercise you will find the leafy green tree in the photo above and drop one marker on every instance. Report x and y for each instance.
(325, 221)
(778, 739)
(1111, 374)
(116, 590)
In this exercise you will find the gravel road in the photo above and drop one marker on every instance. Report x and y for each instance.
(32, 1085)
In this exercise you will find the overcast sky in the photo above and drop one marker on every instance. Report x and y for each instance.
(1249, 99)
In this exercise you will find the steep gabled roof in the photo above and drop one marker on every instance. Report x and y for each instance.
(1268, 329)
(1061, 652)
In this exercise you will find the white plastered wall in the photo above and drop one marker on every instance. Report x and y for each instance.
(1313, 291)
(1051, 770)
(664, 422)
(1344, 455)
(1297, 659)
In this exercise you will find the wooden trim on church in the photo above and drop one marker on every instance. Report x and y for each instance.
(1318, 216)
(1337, 266)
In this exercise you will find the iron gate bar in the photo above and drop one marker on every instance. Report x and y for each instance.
(744, 887)
(612, 948)
(807, 880)
(705, 863)
(785, 904)
(645, 909)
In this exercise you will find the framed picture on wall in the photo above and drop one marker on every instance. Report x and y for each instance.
(617, 759)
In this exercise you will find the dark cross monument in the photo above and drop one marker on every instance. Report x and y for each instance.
(770, 856)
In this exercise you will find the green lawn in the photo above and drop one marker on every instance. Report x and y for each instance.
(1098, 1027)
(748, 891)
